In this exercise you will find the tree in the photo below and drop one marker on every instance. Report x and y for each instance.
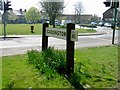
(78, 10)
(95, 18)
(52, 9)
(33, 14)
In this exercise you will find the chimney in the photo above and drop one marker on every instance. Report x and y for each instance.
(25, 10)
(21, 11)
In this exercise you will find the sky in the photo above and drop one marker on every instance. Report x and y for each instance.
(90, 6)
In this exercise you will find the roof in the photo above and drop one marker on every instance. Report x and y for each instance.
(18, 12)
(110, 13)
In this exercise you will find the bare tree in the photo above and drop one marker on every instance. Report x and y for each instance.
(52, 8)
(78, 10)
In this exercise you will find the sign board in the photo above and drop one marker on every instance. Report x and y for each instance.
(57, 33)
(61, 33)
(74, 35)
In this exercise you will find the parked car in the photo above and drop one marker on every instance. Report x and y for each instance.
(64, 22)
(93, 23)
(100, 24)
(57, 22)
(107, 24)
(47, 21)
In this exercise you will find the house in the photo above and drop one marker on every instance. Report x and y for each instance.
(15, 16)
(108, 16)
(20, 16)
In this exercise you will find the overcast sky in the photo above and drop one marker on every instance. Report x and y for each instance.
(90, 6)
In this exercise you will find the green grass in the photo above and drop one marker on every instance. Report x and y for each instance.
(99, 70)
(118, 28)
(17, 73)
(80, 30)
(101, 63)
(24, 29)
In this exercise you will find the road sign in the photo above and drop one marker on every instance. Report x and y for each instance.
(61, 33)
(74, 35)
(57, 33)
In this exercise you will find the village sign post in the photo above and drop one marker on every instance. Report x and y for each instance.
(70, 34)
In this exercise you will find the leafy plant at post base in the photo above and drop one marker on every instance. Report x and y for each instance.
(48, 61)
(36, 58)
(51, 61)
(55, 59)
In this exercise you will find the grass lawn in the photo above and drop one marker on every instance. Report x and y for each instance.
(24, 29)
(81, 30)
(18, 73)
(98, 64)
(101, 63)
(118, 28)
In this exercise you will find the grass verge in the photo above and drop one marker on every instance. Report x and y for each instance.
(24, 29)
(95, 67)
(80, 30)
(18, 73)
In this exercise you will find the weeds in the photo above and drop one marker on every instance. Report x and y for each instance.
(48, 62)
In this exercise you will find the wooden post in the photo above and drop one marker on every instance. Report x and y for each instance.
(70, 50)
(44, 37)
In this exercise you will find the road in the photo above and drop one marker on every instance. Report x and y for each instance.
(22, 43)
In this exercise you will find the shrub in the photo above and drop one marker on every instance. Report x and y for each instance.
(50, 62)
(48, 59)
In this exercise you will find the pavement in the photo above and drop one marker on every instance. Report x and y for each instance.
(20, 44)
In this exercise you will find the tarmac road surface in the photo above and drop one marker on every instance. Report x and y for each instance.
(21, 43)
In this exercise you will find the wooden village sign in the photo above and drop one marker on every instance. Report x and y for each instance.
(69, 34)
